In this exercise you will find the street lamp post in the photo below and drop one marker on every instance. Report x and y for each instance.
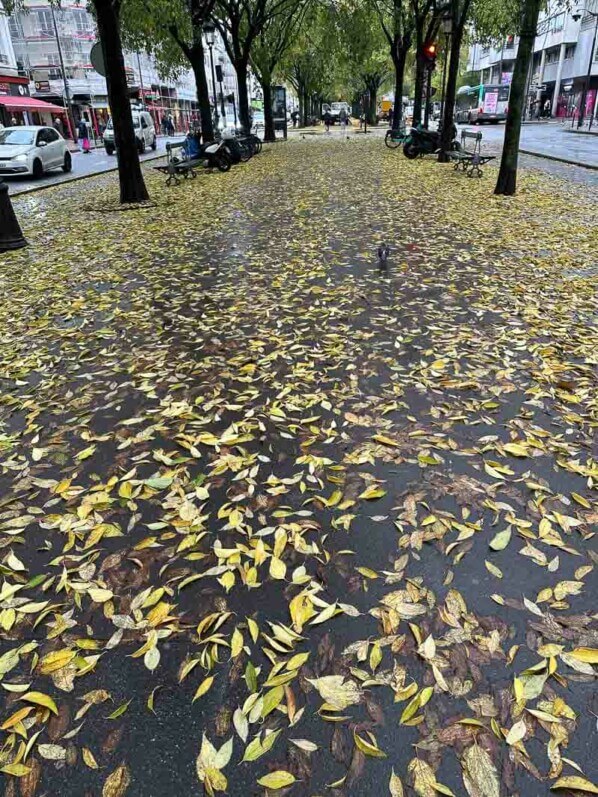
(220, 78)
(67, 92)
(576, 16)
(447, 29)
(210, 34)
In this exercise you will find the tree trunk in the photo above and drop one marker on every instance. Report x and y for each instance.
(420, 78)
(372, 104)
(203, 94)
(451, 91)
(507, 175)
(399, 61)
(269, 132)
(305, 108)
(244, 117)
(301, 107)
(132, 186)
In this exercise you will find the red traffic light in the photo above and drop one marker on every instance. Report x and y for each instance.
(429, 53)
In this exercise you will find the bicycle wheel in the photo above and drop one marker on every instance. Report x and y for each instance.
(245, 150)
(257, 141)
(392, 142)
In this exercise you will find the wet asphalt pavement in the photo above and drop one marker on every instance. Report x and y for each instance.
(191, 394)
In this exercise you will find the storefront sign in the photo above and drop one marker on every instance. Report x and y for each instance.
(42, 86)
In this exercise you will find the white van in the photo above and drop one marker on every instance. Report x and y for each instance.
(145, 133)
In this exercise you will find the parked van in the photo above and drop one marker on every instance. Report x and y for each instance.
(145, 133)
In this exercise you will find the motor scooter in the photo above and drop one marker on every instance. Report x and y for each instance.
(422, 141)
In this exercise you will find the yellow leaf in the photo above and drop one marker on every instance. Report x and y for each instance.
(236, 643)
(203, 687)
(424, 780)
(479, 773)
(16, 770)
(517, 732)
(386, 441)
(99, 595)
(516, 449)
(368, 748)
(395, 786)
(375, 656)
(301, 609)
(491, 568)
(278, 569)
(410, 709)
(56, 660)
(16, 717)
(40, 700)
(575, 782)
(89, 759)
(581, 500)
(500, 541)
(372, 492)
(277, 780)
(589, 655)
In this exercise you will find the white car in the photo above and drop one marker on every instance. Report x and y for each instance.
(33, 151)
(145, 133)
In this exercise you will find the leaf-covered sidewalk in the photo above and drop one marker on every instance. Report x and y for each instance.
(274, 522)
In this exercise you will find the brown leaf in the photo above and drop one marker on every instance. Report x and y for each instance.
(29, 782)
(117, 783)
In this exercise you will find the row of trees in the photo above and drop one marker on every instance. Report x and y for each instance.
(408, 25)
(321, 47)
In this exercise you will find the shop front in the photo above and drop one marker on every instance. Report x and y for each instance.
(22, 110)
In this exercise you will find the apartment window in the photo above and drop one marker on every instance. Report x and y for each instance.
(43, 22)
(558, 22)
(570, 51)
(81, 20)
(552, 56)
(14, 28)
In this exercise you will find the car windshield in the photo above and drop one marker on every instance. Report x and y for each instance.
(13, 136)
(110, 125)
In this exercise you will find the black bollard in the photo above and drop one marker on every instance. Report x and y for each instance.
(11, 235)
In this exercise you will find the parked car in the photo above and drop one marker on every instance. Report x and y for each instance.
(33, 150)
(145, 133)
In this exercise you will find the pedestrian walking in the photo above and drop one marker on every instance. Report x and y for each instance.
(547, 109)
(343, 118)
(295, 118)
(170, 125)
(390, 116)
(83, 133)
(57, 124)
(164, 125)
(327, 121)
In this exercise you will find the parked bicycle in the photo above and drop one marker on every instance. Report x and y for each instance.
(395, 138)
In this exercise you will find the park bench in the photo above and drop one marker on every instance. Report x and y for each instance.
(470, 161)
(178, 165)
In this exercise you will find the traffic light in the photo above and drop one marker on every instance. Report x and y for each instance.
(430, 52)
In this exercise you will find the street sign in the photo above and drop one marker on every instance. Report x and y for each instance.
(96, 56)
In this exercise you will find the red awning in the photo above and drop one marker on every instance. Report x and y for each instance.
(29, 104)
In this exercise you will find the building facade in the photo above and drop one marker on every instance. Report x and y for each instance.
(36, 41)
(14, 88)
(565, 53)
